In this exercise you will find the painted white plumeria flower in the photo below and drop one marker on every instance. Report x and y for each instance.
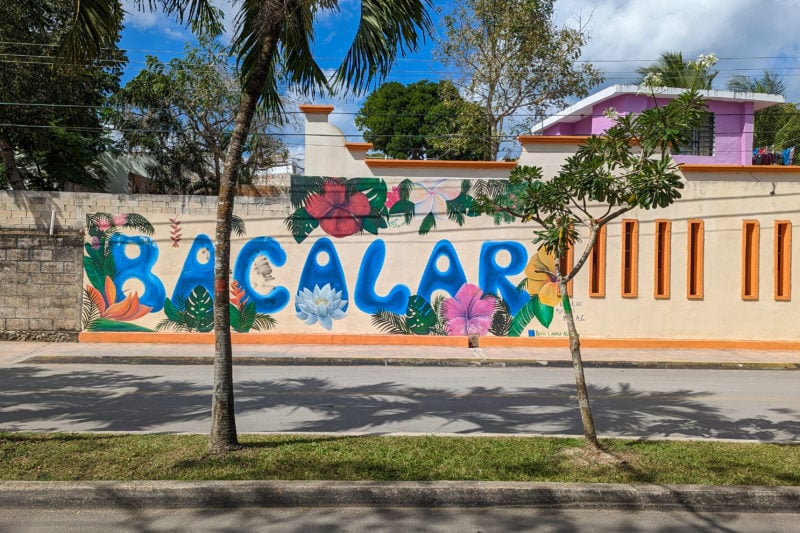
(321, 305)
(432, 196)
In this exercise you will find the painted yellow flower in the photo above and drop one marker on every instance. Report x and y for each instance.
(541, 278)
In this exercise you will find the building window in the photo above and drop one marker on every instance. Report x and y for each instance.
(662, 258)
(630, 258)
(701, 139)
(783, 260)
(694, 260)
(750, 231)
(597, 265)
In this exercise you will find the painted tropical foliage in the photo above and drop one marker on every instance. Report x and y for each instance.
(328, 208)
(196, 312)
(469, 312)
(342, 207)
(104, 307)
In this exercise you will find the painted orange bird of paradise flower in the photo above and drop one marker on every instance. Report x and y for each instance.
(124, 311)
(541, 278)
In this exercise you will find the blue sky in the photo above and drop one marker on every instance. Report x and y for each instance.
(748, 36)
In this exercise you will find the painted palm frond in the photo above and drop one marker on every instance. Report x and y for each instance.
(391, 323)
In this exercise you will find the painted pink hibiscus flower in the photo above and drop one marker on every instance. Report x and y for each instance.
(119, 219)
(338, 215)
(470, 312)
(392, 197)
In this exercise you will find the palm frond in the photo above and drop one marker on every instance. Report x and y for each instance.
(172, 325)
(95, 25)
(238, 226)
(89, 311)
(391, 323)
(264, 322)
(385, 28)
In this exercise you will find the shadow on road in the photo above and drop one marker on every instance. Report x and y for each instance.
(112, 400)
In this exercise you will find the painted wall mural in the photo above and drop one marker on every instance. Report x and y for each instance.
(362, 255)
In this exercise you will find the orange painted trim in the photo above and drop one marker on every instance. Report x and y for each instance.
(629, 284)
(429, 340)
(694, 259)
(782, 259)
(553, 139)
(358, 147)
(751, 231)
(758, 169)
(314, 108)
(598, 258)
(273, 338)
(427, 163)
(663, 259)
(688, 344)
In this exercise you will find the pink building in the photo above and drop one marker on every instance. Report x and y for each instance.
(725, 138)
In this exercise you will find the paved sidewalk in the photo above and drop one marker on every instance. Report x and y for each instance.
(307, 354)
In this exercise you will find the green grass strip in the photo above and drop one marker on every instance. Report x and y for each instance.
(84, 457)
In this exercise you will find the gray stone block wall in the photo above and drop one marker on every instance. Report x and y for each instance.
(40, 285)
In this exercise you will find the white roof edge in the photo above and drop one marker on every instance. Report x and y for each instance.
(574, 112)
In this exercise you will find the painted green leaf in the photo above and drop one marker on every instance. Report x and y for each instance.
(172, 312)
(301, 224)
(373, 188)
(96, 277)
(373, 223)
(391, 323)
(532, 309)
(420, 316)
(200, 308)
(302, 187)
(428, 223)
(104, 324)
(405, 208)
(544, 313)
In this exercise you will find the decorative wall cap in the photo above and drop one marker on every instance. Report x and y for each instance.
(552, 139)
(428, 163)
(358, 147)
(312, 108)
(759, 169)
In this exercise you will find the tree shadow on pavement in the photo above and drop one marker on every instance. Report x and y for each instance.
(48, 399)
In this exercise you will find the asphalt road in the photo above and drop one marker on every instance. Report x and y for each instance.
(730, 404)
(354, 519)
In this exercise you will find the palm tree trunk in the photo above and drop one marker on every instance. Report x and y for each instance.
(577, 365)
(10, 164)
(223, 420)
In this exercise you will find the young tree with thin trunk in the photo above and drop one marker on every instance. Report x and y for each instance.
(628, 167)
(269, 36)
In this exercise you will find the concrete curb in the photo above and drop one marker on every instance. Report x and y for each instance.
(394, 361)
(230, 494)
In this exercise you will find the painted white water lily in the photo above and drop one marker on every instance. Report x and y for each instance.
(321, 305)
(432, 196)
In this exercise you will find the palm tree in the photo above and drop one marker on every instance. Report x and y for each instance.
(673, 71)
(768, 83)
(768, 122)
(270, 36)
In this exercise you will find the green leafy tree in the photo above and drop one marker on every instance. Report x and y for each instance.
(672, 70)
(51, 130)
(181, 115)
(271, 36)
(768, 123)
(509, 57)
(423, 120)
(628, 167)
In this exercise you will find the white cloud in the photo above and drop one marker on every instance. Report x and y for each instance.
(740, 32)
